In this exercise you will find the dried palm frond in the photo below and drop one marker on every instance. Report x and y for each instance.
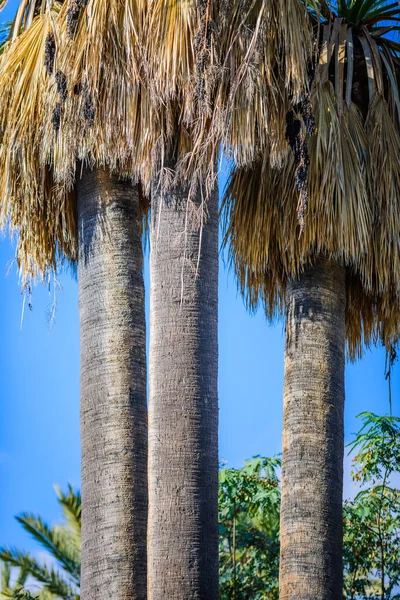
(261, 203)
(351, 174)
(27, 10)
(31, 204)
(70, 93)
(236, 76)
(169, 47)
(383, 173)
(338, 202)
(126, 84)
(101, 105)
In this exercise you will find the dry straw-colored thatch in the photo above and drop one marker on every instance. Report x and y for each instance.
(122, 83)
(262, 54)
(31, 204)
(348, 169)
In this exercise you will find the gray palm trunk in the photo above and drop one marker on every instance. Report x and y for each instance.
(313, 438)
(113, 389)
(183, 401)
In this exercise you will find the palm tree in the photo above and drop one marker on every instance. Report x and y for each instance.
(183, 402)
(62, 542)
(105, 210)
(316, 238)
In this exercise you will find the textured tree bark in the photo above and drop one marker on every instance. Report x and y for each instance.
(183, 402)
(113, 390)
(313, 436)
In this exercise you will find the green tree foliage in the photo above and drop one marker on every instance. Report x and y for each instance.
(62, 542)
(249, 501)
(372, 519)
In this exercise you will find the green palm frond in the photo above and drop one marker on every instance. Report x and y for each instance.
(5, 575)
(71, 505)
(55, 542)
(15, 592)
(51, 579)
(61, 542)
(356, 12)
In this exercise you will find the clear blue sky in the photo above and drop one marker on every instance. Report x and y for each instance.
(39, 390)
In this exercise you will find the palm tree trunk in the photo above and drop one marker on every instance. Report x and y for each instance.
(183, 401)
(313, 438)
(113, 390)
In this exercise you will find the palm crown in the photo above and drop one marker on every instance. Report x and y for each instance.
(342, 161)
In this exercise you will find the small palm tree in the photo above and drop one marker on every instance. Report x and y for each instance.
(62, 542)
(316, 238)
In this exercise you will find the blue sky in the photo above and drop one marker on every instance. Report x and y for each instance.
(39, 390)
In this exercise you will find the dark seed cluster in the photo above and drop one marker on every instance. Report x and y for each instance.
(56, 118)
(307, 114)
(61, 81)
(293, 129)
(49, 53)
(73, 12)
(305, 107)
(72, 18)
(301, 159)
(89, 111)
